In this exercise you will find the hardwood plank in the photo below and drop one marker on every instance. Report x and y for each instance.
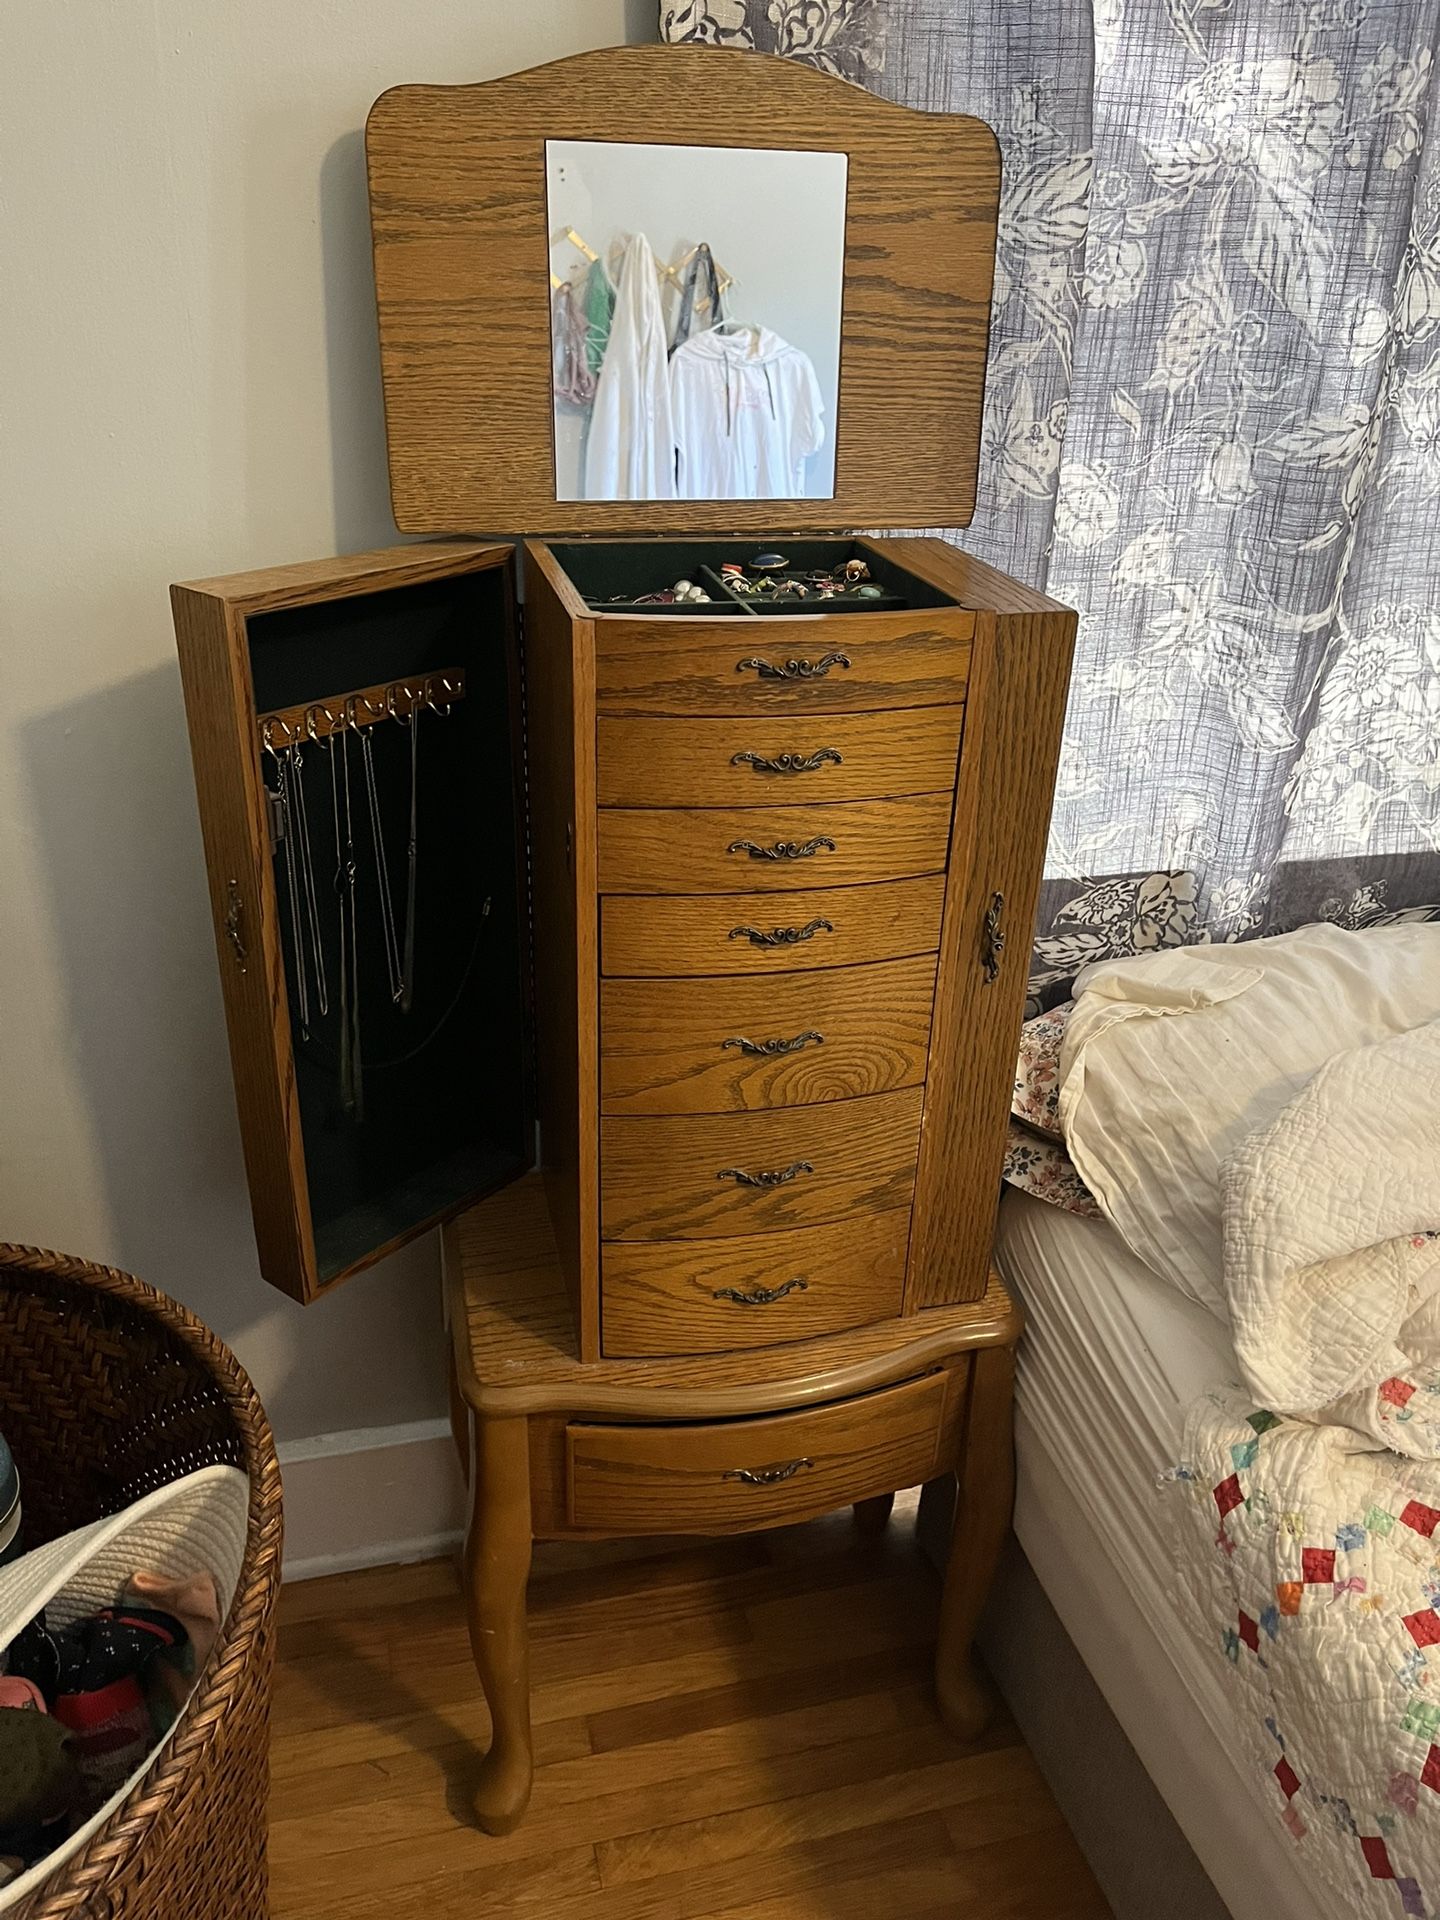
(926, 1778)
(800, 1773)
(673, 1714)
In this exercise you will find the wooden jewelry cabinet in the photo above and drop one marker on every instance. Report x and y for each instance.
(733, 900)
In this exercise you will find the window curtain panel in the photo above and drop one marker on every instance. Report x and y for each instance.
(1212, 418)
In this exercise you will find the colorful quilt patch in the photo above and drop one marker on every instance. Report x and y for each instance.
(1404, 1790)
(1421, 1716)
(1228, 1495)
(1262, 1420)
(1420, 1518)
(1288, 1778)
(1317, 1566)
(1396, 1391)
(1350, 1538)
(1424, 1627)
(1287, 1596)
(1377, 1857)
(1377, 1520)
(1430, 1772)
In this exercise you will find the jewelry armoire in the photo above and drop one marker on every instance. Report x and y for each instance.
(670, 953)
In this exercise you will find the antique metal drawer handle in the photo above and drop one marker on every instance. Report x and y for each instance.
(770, 1048)
(760, 1296)
(781, 936)
(774, 1177)
(769, 1476)
(793, 669)
(784, 849)
(993, 940)
(235, 924)
(788, 762)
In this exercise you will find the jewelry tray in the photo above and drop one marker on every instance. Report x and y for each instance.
(612, 576)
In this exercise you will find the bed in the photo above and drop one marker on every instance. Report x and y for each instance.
(1110, 1361)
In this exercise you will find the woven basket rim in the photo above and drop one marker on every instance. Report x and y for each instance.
(155, 1798)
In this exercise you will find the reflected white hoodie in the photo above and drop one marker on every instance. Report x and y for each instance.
(747, 413)
(629, 454)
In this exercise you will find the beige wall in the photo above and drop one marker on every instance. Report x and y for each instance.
(189, 385)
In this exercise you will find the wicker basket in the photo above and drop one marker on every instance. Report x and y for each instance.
(108, 1390)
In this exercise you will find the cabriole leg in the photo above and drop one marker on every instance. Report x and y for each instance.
(982, 1513)
(497, 1569)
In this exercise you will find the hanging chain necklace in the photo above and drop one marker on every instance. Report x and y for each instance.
(389, 940)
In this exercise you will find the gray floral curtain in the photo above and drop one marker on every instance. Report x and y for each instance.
(1213, 414)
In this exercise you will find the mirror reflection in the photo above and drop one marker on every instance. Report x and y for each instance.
(695, 320)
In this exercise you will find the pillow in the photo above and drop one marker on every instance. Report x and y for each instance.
(1043, 1168)
(1036, 1099)
(1170, 1061)
(1139, 915)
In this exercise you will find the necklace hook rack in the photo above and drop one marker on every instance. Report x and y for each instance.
(398, 700)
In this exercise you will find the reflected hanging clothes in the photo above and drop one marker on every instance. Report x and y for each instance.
(699, 295)
(630, 453)
(748, 413)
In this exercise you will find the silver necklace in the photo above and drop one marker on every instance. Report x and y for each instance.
(388, 938)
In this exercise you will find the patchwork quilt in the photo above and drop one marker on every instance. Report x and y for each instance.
(1308, 1510)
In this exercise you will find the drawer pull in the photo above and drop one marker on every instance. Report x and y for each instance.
(235, 924)
(770, 1048)
(784, 849)
(793, 669)
(789, 762)
(773, 1177)
(760, 1296)
(769, 1476)
(781, 936)
(993, 940)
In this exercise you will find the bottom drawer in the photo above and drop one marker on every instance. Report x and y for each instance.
(731, 1476)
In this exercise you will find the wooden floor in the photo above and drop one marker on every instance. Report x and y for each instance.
(738, 1729)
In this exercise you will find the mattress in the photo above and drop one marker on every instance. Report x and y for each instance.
(1111, 1359)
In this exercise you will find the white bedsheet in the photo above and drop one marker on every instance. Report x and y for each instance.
(1111, 1360)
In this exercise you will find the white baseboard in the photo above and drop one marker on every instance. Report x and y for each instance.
(375, 1496)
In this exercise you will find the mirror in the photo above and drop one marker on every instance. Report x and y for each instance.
(695, 320)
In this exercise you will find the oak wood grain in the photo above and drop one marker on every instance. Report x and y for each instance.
(691, 666)
(982, 1515)
(559, 692)
(645, 761)
(210, 618)
(689, 935)
(669, 1177)
(515, 1348)
(459, 223)
(670, 1297)
(733, 849)
(1013, 722)
(672, 1046)
(664, 1479)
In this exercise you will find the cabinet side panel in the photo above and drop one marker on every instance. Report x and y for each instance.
(560, 706)
(219, 708)
(1020, 672)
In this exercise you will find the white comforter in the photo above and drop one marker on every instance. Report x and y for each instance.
(1309, 1538)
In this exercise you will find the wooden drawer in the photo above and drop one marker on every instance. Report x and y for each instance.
(849, 663)
(771, 849)
(644, 937)
(738, 1044)
(730, 1476)
(680, 1296)
(669, 762)
(675, 1177)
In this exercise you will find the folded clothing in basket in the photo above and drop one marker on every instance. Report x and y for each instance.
(105, 1657)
